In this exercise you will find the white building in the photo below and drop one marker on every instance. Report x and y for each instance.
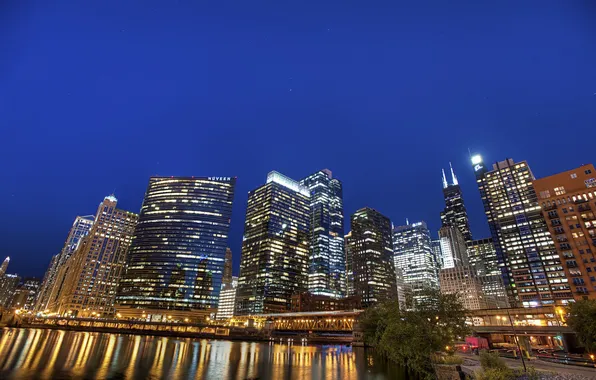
(465, 281)
(227, 298)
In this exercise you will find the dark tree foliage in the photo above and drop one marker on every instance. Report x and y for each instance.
(411, 337)
(582, 319)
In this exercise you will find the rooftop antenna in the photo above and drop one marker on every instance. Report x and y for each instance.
(444, 179)
(454, 178)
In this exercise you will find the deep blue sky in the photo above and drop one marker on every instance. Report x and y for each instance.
(98, 96)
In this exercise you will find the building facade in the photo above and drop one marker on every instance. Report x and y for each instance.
(8, 286)
(227, 272)
(483, 256)
(414, 256)
(275, 249)
(453, 247)
(455, 213)
(372, 257)
(93, 271)
(177, 258)
(25, 294)
(568, 202)
(349, 247)
(327, 266)
(227, 300)
(308, 302)
(52, 284)
(4, 266)
(530, 266)
(464, 281)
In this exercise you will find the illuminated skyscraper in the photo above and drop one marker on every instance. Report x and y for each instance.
(4, 266)
(327, 265)
(483, 256)
(455, 213)
(176, 261)
(8, 287)
(275, 250)
(227, 273)
(415, 258)
(92, 272)
(349, 248)
(51, 284)
(227, 299)
(25, 294)
(568, 202)
(530, 265)
(372, 257)
(453, 247)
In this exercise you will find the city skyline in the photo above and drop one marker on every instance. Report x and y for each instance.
(380, 98)
(477, 223)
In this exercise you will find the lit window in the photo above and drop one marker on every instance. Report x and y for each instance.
(559, 190)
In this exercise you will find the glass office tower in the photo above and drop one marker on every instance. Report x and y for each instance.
(275, 250)
(371, 251)
(176, 261)
(327, 266)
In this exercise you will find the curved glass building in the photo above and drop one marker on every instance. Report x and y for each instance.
(176, 261)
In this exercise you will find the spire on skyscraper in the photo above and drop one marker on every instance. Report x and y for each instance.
(453, 177)
(4, 266)
(444, 179)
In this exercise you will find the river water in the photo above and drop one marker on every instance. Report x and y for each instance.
(57, 354)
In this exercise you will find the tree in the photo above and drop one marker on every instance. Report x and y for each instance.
(410, 337)
(582, 319)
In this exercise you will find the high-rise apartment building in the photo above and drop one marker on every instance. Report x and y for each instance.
(455, 213)
(453, 247)
(327, 267)
(483, 256)
(227, 272)
(93, 271)
(275, 250)
(227, 299)
(177, 258)
(51, 285)
(568, 202)
(414, 256)
(530, 265)
(372, 257)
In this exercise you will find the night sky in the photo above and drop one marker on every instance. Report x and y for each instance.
(97, 96)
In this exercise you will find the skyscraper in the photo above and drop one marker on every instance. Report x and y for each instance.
(455, 213)
(4, 266)
(530, 266)
(327, 267)
(568, 202)
(415, 258)
(372, 257)
(437, 251)
(51, 285)
(227, 299)
(8, 286)
(349, 247)
(227, 273)
(91, 274)
(177, 258)
(483, 257)
(453, 247)
(275, 250)
(25, 294)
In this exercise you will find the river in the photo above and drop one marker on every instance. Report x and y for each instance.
(57, 354)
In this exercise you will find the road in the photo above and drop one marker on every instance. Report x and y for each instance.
(472, 362)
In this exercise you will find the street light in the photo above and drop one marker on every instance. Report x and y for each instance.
(515, 337)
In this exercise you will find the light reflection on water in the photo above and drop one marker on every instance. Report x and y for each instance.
(56, 354)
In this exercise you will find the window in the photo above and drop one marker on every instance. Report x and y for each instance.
(588, 171)
(573, 175)
(559, 190)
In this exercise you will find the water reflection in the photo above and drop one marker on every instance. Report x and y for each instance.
(55, 354)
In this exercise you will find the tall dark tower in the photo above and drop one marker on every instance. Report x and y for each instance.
(371, 248)
(455, 213)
